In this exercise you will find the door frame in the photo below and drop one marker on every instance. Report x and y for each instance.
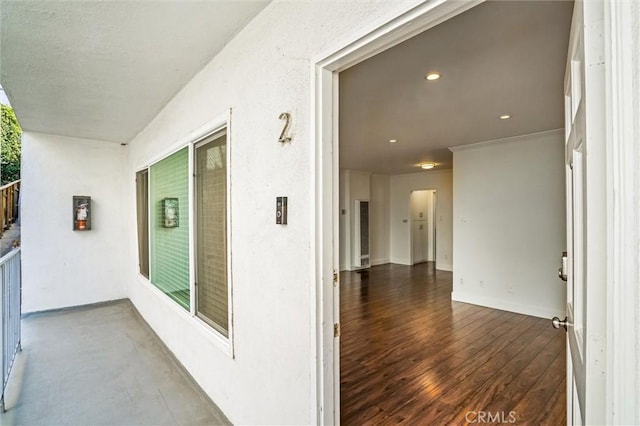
(430, 228)
(403, 23)
(622, 372)
(623, 211)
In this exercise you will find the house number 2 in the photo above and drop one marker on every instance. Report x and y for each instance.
(285, 129)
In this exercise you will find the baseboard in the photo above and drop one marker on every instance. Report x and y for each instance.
(506, 305)
(73, 308)
(444, 267)
(377, 262)
(400, 261)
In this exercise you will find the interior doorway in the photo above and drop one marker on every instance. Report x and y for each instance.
(394, 32)
(423, 226)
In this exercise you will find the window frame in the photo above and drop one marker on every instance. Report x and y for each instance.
(189, 230)
(218, 124)
(197, 144)
(148, 276)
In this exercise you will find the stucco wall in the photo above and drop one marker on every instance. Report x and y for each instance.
(264, 71)
(62, 267)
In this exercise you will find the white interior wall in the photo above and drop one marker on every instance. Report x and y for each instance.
(431, 217)
(379, 219)
(401, 187)
(359, 190)
(63, 267)
(418, 203)
(345, 223)
(360, 183)
(261, 73)
(509, 227)
(364, 186)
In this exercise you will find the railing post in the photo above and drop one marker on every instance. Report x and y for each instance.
(4, 210)
(10, 313)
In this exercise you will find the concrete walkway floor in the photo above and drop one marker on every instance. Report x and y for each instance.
(100, 365)
(8, 237)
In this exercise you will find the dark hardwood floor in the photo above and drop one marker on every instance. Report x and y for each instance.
(409, 355)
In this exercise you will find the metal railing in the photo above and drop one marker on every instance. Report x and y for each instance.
(10, 312)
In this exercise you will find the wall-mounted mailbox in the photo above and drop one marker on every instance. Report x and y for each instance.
(81, 213)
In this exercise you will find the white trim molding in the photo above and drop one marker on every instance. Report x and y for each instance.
(519, 138)
(444, 267)
(495, 303)
(376, 262)
(622, 44)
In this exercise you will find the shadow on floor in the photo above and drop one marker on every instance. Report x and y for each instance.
(101, 365)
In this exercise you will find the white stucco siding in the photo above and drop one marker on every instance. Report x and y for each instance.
(63, 267)
(263, 72)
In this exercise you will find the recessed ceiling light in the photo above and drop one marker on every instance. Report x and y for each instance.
(432, 76)
(505, 117)
(393, 140)
(427, 166)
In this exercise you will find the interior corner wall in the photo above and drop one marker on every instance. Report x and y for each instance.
(360, 190)
(354, 185)
(379, 219)
(63, 267)
(345, 224)
(509, 224)
(401, 187)
(364, 186)
(262, 72)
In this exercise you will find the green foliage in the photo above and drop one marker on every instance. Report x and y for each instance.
(10, 146)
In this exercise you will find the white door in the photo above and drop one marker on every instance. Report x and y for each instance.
(420, 203)
(585, 183)
(419, 241)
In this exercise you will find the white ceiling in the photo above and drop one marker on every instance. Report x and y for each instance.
(104, 69)
(501, 57)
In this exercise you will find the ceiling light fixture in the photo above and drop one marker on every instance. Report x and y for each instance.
(432, 76)
(505, 117)
(427, 166)
(393, 140)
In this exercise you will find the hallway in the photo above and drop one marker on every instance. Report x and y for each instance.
(100, 365)
(409, 355)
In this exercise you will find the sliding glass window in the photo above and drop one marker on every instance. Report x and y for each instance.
(142, 210)
(212, 301)
(169, 202)
(189, 185)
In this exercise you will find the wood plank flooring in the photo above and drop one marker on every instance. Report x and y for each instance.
(409, 355)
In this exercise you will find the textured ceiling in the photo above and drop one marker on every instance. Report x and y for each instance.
(501, 57)
(104, 69)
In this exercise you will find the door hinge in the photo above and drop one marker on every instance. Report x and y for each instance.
(336, 330)
(335, 277)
